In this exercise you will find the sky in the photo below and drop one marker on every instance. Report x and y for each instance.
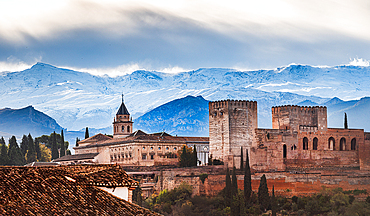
(118, 37)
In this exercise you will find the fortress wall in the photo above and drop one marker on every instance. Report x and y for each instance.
(285, 183)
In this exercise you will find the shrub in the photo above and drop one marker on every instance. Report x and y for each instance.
(203, 177)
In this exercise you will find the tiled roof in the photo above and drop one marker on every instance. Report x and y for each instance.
(62, 190)
(34, 164)
(96, 138)
(76, 157)
(140, 136)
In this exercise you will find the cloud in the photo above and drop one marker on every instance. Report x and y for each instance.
(12, 64)
(359, 62)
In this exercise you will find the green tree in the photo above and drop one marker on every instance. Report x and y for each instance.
(228, 190)
(14, 153)
(247, 182)
(263, 194)
(234, 183)
(31, 155)
(186, 158)
(194, 161)
(62, 145)
(345, 121)
(273, 202)
(54, 147)
(4, 159)
(24, 145)
(37, 149)
(87, 133)
(137, 197)
(241, 159)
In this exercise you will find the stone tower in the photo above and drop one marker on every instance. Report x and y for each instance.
(122, 124)
(232, 125)
(298, 118)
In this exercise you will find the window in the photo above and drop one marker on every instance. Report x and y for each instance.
(123, 128)
(167, 148)
(331, 143)
(342, 145)
(128, 128)
(159, 148)
(284, 151)
(353, 144)
(175, 148)
(151, 157)
(305, 143)
(314, 144)
(143, 157)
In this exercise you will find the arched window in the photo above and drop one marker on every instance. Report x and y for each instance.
(331, 142)
(314, 144)
(353, 144)
(284, 151)
(128, 129)
(342, 145)
(305, 143)
(123, 128)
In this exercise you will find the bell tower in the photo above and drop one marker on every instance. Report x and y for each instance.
(122, 124)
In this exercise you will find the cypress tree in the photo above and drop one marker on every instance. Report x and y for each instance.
(234, 184)
(37, 149)
(4, 159)
(87, 133)
(14, 153)
(263, 194)
(194, 157)
(273, 202)
(345, 121)
(241, 159)
(62, 145)
(77, 140)
(31, 155)
(228, 188)
(54, 147)
(247, 182)
(24, 145)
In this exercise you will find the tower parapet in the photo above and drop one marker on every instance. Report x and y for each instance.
(294, 118)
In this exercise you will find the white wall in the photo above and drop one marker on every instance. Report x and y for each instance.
(121, 192)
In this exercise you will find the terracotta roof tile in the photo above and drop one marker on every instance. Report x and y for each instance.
(62, 190)
(96, 138)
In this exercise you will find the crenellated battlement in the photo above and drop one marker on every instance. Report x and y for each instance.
(298, 109)
(233, 103)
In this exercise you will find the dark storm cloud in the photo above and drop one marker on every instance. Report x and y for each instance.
(154, 38)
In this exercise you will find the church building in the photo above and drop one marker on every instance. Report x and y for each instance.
(134, 148)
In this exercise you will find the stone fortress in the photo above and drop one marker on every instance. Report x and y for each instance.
(299, 138)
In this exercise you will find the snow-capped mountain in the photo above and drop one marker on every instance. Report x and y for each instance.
(76, 99)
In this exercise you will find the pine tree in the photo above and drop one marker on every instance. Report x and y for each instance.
(234, 184)
(194, 157)
(24, 145)
(14, 153)
(228, 189)
(87, 133)
(247, 182)
(4, 159)
(31, 155)
(62, 145)
(241, 159)
(54, 147)
(273, 202)
(345, 121)
(263, 194)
